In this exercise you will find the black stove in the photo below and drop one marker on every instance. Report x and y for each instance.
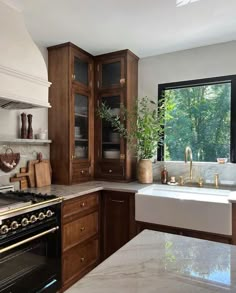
(30, 243)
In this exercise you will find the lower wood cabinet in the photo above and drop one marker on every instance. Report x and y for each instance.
(80, 237)
(185, 232)
(118, 213)
(79, 260)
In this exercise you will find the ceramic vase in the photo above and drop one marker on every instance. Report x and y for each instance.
(145, 171)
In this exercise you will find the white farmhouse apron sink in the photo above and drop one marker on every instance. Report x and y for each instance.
(192, 208)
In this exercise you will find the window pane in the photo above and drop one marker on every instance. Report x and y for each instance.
(201, 120)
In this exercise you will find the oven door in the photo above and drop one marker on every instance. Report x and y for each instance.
(32, 263)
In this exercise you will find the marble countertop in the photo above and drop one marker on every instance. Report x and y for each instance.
(71, 191)
(159, 262)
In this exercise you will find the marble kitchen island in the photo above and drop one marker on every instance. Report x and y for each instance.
(165, 263)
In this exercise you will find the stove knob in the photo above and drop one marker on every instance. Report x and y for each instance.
(49, 213)
(33, 219)
(14, 225)
(24, 222)
(41, 216)
(4, 229)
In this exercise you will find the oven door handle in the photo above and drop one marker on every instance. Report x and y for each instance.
(10, 247)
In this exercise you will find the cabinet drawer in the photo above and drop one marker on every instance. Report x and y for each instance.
(79, 230)
(78, 259)
(80, 173)
(112, 170)
(79, 205)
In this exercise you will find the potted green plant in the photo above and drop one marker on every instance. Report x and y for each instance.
(145, 131)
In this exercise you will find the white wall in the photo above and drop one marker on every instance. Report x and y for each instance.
(204, 62)
(209, 61)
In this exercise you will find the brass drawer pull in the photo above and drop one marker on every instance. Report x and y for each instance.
(82, 229)
(82, 259)
(117, 201)
(110, 171)
(82, 172)
(82, 204)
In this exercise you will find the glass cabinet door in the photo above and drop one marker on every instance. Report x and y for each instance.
(110, 137)
(111, 74)
(81, 71)
(81, 130)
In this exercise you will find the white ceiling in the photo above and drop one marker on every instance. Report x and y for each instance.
(146, 27)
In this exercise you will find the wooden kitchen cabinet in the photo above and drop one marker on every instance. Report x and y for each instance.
(80, 237)
(116, 83)
(118, 220)
(71, 117)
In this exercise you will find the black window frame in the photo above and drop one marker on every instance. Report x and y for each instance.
(199, 82)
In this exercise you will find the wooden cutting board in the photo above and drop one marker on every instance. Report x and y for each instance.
(22, 180)
(30, 174)
(42, 173)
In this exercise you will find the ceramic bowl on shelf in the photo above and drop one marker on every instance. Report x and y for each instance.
(77, 130)
(111, 154)
(80, 152)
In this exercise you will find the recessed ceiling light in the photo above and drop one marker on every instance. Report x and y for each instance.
(180, 3)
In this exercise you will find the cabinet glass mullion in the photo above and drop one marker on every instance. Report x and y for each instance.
(81, 126)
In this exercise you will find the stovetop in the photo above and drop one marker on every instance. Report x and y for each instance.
(16, 199)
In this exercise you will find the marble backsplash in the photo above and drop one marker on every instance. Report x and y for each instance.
(227, 172)
(27, 152)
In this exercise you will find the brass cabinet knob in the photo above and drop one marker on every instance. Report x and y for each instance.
(82, 259)
(82, 172)
(82, 229)
(110, 171)
(122, 81)
(82, 204)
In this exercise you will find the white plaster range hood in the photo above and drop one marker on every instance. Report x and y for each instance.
(23, 72)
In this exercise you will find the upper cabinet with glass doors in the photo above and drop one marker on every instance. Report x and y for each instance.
(116, 81)
(111, 73)
(82, 69)
(71, 118)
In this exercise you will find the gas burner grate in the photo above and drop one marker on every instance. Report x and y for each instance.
(27, 196)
